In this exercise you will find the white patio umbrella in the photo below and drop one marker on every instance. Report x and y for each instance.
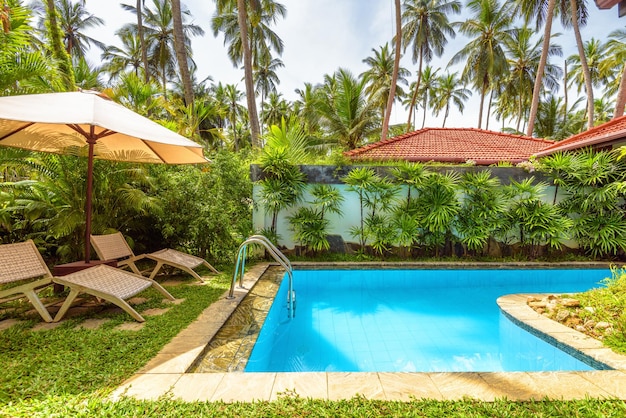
(89, 123)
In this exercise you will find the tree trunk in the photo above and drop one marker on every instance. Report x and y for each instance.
(181, 53)
(142, 42)
(547, 33)
(583, 63)
(620, 102)
(242, 18)
(58, 51)
(414, 97)
(565, 94)
(394, 77)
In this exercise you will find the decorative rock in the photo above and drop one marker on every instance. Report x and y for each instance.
(590, 309)
(602, 325)
(572, 303)
(562, 315)
(581, 328)
(537, 304)
(589, 324)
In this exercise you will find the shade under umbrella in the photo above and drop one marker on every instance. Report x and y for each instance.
(89, 123)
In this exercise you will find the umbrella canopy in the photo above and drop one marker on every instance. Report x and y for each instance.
(90, 124)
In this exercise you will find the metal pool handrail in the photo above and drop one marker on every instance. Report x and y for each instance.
(240, 265)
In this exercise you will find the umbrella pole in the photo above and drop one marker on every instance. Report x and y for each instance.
(91, 141)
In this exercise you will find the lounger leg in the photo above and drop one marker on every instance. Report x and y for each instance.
(206, 263)
(156, 270)
(134, 268)
(66, 305)
(34, 299)
(162, 290)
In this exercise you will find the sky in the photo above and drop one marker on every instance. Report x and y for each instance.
(321, 36)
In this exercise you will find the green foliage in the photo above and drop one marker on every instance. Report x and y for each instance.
(481, 210)
(592, 186)
(205, 210)
(310, 225)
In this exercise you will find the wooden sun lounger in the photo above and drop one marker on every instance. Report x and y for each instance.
(22, 261)
(115, 247)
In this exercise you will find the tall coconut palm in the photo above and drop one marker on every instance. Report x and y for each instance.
(59, 53)
(595, 52)
(74, 19)
(159, 31)
(119, 60)
(396, 71)
(380, 77)
(616, 59)
(346, 112)
(449, 90)
(181, 52)
(248, 40)
(426, 28)
(307, 109)
(274, 110)
(142, 40)
(524, 55)
(488, 28)
(428, 87)
(265, 77)
(578, 11)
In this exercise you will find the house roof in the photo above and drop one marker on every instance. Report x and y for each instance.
(456, 145)
(611, 131)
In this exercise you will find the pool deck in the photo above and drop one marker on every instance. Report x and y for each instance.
(165, 375)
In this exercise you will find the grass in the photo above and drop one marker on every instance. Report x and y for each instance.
(70, 371)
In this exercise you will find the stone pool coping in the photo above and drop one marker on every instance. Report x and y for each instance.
(165, 375)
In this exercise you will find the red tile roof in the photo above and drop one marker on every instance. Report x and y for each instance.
(456, 145)
(612, 130)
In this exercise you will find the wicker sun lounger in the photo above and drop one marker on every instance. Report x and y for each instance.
(115, 247)
(22, 262)
(22, 273)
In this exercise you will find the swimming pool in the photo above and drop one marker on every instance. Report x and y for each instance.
(411, 321)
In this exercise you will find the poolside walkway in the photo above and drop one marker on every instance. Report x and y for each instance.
(166, 375)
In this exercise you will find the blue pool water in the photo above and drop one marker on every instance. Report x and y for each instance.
(411, 321)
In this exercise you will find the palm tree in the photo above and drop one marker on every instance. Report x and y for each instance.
(159, 30)
(248, 41)
(266, 78)
(579, 18)
(426, 27)
(56, 44)
(595, 52)
(379, 77)
(616, 59)
(489, 29)
(396, 71)
(274, 110)
(74, 19)
(524, 55)
(449, 90)
(346, 112)
(429, 85)
(307, 109)
(142, 40)
(118, 60)
(181, 52)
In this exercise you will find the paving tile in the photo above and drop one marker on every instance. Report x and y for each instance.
(172, 363)
(349, 385)
(306, 385)
(131, 326)
(193, 387)
(92, 323)
(245, 387)
(456, 386)
(611, 381)
(408, 386)
(566, 386)
(148, 387)
(517, 386)
(8, 323)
